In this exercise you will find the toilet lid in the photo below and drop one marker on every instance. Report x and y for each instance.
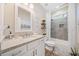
(50, 43)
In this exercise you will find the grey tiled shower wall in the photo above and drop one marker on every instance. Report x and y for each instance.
(59, 27)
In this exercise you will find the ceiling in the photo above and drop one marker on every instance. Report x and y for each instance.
(50, 6)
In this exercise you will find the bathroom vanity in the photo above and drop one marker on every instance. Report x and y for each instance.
(19, 22)
(32, 46)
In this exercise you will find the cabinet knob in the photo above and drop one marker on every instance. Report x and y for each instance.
(35, 52)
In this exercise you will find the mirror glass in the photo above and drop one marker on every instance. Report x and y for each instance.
(23, 20)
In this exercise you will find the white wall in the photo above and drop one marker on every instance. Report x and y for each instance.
(48, 23)
(72, 24)
(1, 21)
(64, 46)
(38, 16)
(77, 24)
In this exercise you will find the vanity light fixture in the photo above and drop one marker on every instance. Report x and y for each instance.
(61, 5)
(57, 6)
(31, 6)
(26, 4)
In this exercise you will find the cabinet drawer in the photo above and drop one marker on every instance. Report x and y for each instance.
(33, 44)
(16, 52)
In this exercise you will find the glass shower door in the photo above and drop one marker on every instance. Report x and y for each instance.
(59, 27)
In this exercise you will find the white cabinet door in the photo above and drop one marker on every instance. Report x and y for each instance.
(32, 52)
(33, 44)
(36, 49)
(32, 48)
(40, 49)
(21, 51)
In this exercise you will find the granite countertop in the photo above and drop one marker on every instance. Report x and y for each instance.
(16, 42)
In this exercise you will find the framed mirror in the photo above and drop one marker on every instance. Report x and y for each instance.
(23, 21)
